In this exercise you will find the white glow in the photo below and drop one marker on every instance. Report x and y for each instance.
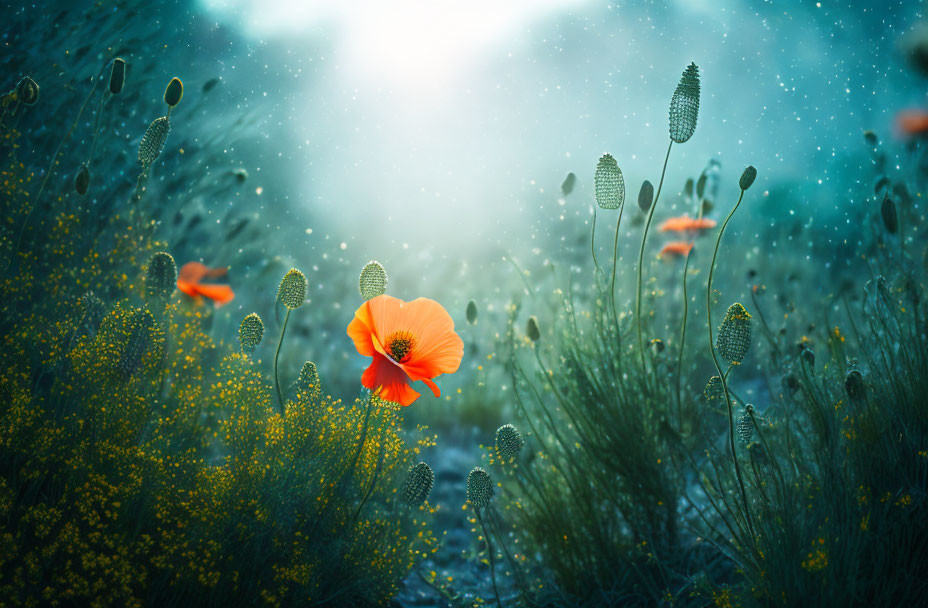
(399, 41)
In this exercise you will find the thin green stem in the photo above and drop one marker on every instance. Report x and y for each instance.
(615, 262)
(283, 330)
(593, 240)
(715, 360)
(686, 305)
(644, 239)
(51, 166)
(486, 538)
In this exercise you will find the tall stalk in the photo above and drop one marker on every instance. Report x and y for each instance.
(746, 180)
(644, 239)
(283, 330)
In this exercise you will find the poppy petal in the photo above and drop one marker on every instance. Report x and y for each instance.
(220, 294)
(390, 379)
(360, 330)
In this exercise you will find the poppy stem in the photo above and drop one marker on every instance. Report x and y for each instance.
(644, 239)
(722, 377)
(283, 330)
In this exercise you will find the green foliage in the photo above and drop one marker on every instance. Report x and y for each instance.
(142, 464)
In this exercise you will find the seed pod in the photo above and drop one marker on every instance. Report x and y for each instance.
(568, 185)
(531, 329)
(93, 311)
(701, 185)
(479, 488)
(734, 337)
(509, 442)
(27, 91)
(684, 106)
(688, 188)
(373, 281)
(174, 92)
(139, 325)
(82, 180)
(153, 141)
(308, 381)
(888, 211)
(250, 333)
(854, 385)
(808, 355)
(745, 428)
(714, 390)
(871, 138)
(292, 290)
(418, 486)
(790, 384)
(747, 178)
(161, 278)
(117, 76)
(609, 183)
(472, 312)
(645, 196)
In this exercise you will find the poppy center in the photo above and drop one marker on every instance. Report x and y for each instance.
(400, 345)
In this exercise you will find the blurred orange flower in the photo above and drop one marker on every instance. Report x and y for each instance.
(188, 282)
(409, 341)
(685, 223)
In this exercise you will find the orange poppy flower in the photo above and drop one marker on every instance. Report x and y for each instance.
(685, 223)
(912, 122)
(675, 248)
(188, 281)
(409, 341)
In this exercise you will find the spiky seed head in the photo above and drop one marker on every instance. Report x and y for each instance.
(747, 177)
(161, 278)
(27, 91)
(854, 385)
(479, 488)
(509, 442)
(140, 324)
(745, 428)
(734, 337)
(645, 196)
(418, 486)
(808, 355)
(174, 92)
(568, 185)
(373, 281)
(609, 183)
(531, 329)
(684, 105)
(714, 390)
(153, 141)
(292, 290)
(82, 180)
(117, 76)
(308, 381)
(93, 311)
(250, 332)
(888, 211)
